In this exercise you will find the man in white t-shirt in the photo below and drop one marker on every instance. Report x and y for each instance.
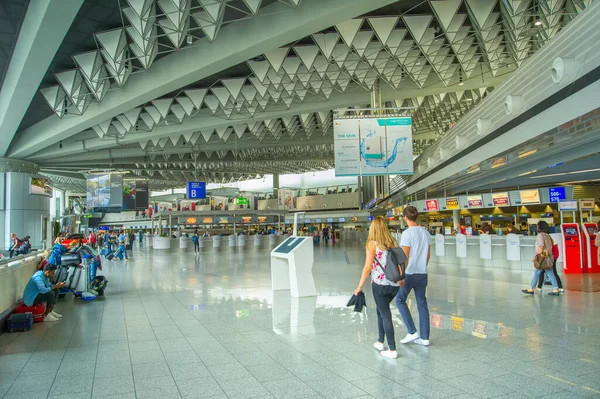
(415, 244)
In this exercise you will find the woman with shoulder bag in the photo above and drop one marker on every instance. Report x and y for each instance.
(543, 259)
(384, 291)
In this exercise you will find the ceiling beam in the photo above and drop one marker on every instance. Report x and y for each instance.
(274, 26)
(205, 120)
(45, 25)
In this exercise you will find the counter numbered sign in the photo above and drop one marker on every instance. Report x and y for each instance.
(513, 247)
(440, 244)
(485, 246)
(461, 246)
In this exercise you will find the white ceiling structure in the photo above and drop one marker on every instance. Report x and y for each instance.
(224, 90)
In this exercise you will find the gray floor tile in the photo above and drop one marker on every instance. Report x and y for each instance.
(181, 357)
(269, 372)
(147, 357)
(289, 388)
(155, 387)
(336, 388)
(28, 395)
(113, 386)
(105, 370)
(383, 388)
(480, 387)
(188, 371)
(73, 384)
(199, 387)
(32, 382)
(243, 388)
(430, 387)
(224, 372)
(150, 370)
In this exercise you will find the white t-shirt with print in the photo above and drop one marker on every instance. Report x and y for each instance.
(417, 238)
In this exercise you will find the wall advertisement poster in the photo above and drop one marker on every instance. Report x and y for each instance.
(452, 203)
(474, 201)
(286, 198)
(373, 146)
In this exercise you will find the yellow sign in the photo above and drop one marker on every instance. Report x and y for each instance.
(246, 219)
(207, 220)
(458, 323)
(530, 196)
(191, 220)
(262, 219)
(452, 203)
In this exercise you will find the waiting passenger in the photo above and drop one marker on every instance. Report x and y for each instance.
(58, 250)
(415, 244)
(39, 289)
(543, 244)
(512, 229)
(384, 291)
(15, 243)
(196, 241)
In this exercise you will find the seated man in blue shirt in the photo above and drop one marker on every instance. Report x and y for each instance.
(39, 289)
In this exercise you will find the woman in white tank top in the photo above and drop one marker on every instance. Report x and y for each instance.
(384, 290)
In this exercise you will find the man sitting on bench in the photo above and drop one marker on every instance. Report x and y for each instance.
(39, 289)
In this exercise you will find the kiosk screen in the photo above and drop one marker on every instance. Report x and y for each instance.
(570, 231)
(288, 245)
(592, 230)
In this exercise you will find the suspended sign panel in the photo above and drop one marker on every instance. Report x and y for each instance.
(373, 146)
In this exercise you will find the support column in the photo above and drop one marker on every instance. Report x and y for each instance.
(22, 208)
(455, 218)
(275, 186)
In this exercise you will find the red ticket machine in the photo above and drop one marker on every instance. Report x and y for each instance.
(572, 254)
(590, 251)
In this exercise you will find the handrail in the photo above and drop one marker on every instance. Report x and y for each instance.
(15, 260)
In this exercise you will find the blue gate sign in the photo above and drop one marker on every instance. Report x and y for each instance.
(196, 190)
(557, 194)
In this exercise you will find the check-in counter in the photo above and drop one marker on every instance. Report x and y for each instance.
(512, 252)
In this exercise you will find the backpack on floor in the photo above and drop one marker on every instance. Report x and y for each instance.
(98, 284)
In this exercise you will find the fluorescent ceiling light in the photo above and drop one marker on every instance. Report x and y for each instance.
(528, 153)
(528, 173)
(566, 173)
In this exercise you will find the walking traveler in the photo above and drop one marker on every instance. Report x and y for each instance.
(415, 244)
(543, 259)
(384, 291)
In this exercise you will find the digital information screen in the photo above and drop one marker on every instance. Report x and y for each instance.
(592, 230)
(570, 231)
(288, 245)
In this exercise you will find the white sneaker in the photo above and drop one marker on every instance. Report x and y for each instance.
(53, 313)
(410, 338)
(379, 346)
(389, 354)
(424, 342)
(49, 317)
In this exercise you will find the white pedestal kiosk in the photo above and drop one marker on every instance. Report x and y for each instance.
(291, 267)
(232, 240)
(183, 242)
(216, 240)
(257, 238)
(241, 241)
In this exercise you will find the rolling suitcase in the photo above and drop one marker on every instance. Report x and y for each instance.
(20, 322)
(76, 277)
(61, 274)
(110, 256)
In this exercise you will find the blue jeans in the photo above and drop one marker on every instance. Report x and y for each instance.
(383, 296)
(418, 282)
(121, 252)
(551, 276)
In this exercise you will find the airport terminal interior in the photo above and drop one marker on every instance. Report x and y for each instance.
(196, 194)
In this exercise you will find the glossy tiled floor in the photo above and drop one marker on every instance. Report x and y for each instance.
(171, 326)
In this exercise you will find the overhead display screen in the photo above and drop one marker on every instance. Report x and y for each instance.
(104, 193)
(135, 195)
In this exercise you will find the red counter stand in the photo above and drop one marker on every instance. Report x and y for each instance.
(37, 310)
(590, 251)
(572, 251)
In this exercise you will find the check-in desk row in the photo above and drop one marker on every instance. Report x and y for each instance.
(513, 252)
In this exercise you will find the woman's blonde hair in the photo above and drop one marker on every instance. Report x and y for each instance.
(380, 233)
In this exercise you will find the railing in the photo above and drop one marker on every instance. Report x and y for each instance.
(14, 275)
